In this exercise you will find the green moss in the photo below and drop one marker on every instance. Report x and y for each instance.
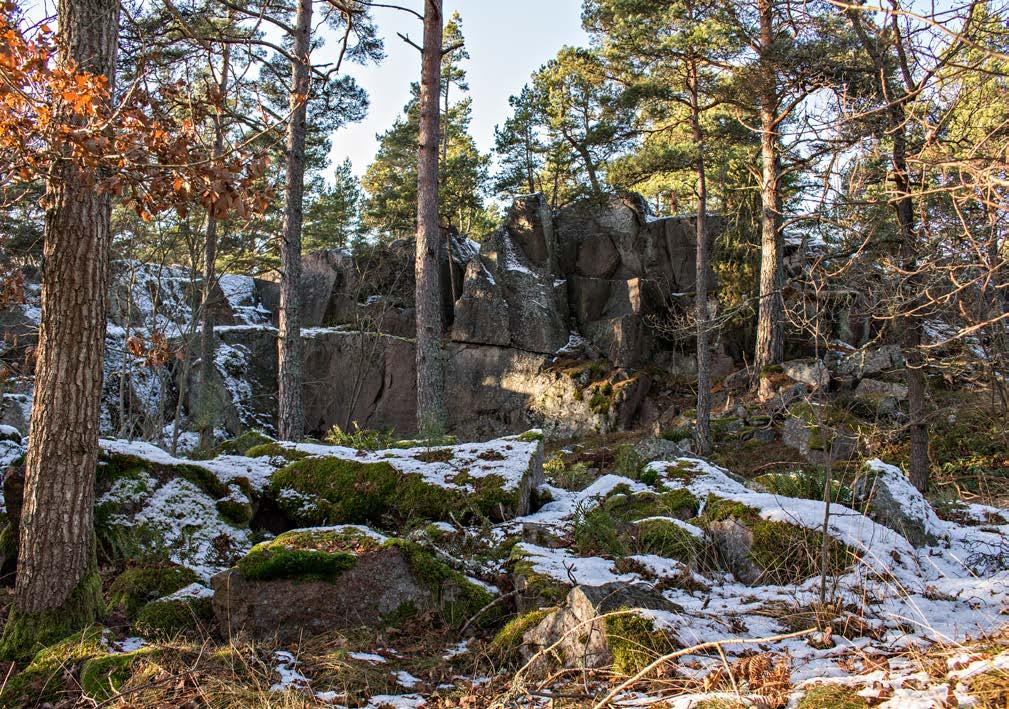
(341, 490)
(505, 645)
(597, 532)
(337, 491)
(134, 588)
(600, 403)
(530, 436)
(103, 676)
(25, 633)
(634, 642)
(310, 555)
(42, 681)
(241, 444)
(459, 598)
(717, 509)
(769, 369)
(664, 537)
(548, 590)
(275, 450)
(165, 619)
(436, 455)
(835, 696)
(235, 510)
(789, 554)
(679, 503)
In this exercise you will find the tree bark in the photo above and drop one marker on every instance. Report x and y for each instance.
(431, 413)
(291, 417)
(58, 589)
(704, 442)
(207, 345)
(771, 307)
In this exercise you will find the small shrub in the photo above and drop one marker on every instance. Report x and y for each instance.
(628, 462)
(597, 532)
(361, 438)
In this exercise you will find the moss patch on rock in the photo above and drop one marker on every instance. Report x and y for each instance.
(136, 587)
(240, 445)
(306, 555)
(634, 642)
(275, 450)
(506, 643)
(167, 618)
(537, 589)
(329, 490)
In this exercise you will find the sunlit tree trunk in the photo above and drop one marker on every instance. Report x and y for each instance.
(701, 274)
(58, 589)
(431, 413)
(291, 417)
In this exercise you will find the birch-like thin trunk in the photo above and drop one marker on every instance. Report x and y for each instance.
(58, 588)
(290, 376)
(431, 414)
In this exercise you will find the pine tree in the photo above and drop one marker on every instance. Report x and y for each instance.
(58, 589)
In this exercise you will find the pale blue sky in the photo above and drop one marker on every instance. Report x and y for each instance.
(507, 41)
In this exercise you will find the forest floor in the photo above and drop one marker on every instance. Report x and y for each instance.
(892, 623)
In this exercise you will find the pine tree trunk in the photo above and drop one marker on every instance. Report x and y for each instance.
(704, 441)
(771, 308)
(909, 326)
(430, 362)
(207, 344)
(291, 418)
(58, 589)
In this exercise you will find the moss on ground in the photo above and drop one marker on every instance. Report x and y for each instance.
(240, 445)
(275, 450)
(339, 491)
(43, 680)
(102, 677)
(832, 696)
(236, 510)
(634, 642)
(136, 587)
(167, 618)
(506, 644)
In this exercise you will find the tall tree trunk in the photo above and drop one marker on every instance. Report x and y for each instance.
(208, 401)
(58, 589)
(771, 307)
(291, 417)
(909, 327)
(431, 413)
(701, 276)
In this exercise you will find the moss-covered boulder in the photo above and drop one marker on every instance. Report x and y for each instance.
(338, 485)
(309, 581)
(241, 444)
(187, 612)
(136, 587)
(612, 625)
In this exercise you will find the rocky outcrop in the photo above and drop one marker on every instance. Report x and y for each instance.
(890, 499)
(582, 284)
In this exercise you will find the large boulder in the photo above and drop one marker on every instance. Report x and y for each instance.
(313, 581)
(871, 361)
(891, 500)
